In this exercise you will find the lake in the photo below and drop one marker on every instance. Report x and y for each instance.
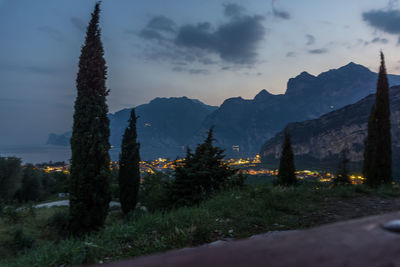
(44, 153)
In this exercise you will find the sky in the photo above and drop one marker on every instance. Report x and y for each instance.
(209, 50)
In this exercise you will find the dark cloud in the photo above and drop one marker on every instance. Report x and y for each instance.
(291, 54)
(233, 10)
(191, 71)
(235, 41)
(158, 28)
(384, 20)
(79, 24)
(318, 51)
(310, 39)
(278, 13)
(380, 40)
(52, 33)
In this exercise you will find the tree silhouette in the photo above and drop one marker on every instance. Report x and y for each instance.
(286, 175)
(90, 173)
(378, 145)
(342, 176)
(201, 173)
(129, 169)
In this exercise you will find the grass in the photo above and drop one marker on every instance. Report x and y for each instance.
(231, 214)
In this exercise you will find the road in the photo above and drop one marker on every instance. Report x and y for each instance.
(66, 203)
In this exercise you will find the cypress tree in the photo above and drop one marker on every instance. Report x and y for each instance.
(90, 174)
(286, 172)
(384, 139)
(129, 169)
(378, 145)
(342, 176)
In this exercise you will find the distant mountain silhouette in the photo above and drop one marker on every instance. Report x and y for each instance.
(249, 123)
(166, 125)
(318, 143)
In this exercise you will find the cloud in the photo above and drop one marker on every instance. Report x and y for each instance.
(161, 23)
(30, 69)
(234, 41)
(151, 35)
(52, 33)
(79, 24)
(278, 13)
(318, 51)
(393, 4)
(191, 71)
(198, 71)
(291, 54)
(385, 20)
(233, 10)
(310, 39)
(380, 40)
(158, 28)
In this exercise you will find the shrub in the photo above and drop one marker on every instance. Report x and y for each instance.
(153, 192)
(11, 214)
(59, 222)
(20, 240)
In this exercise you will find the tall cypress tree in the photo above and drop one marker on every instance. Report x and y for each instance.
(90, 174)
(384, 138)
(378, 145)
(129, 169)
(286, 172)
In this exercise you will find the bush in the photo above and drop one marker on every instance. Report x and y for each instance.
(59, 222)
(235, 181)
(11, 214)
(153, 192)
(21, 241)
(114, 191)
(10, 177)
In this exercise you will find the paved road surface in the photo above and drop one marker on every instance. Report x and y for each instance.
(66, 203)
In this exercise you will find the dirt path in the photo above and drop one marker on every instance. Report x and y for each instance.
(339, 209)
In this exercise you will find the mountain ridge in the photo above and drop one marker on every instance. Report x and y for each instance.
(248, 123)
(319, 142)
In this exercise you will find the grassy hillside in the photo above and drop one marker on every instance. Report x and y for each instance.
(231, 214)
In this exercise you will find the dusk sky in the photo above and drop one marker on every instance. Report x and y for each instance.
(208, 50)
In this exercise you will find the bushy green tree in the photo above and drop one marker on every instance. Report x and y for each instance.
(129, 169)
(90, 173)
(31, 188)
(10, 177)
(153, 193)
(286, 172)
(378, 146)
(342, 176)
(201, 173)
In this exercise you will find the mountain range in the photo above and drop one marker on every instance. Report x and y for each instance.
(167, 125)
(319, 142)
(164, 126)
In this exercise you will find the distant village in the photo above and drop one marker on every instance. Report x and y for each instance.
(248, 166)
